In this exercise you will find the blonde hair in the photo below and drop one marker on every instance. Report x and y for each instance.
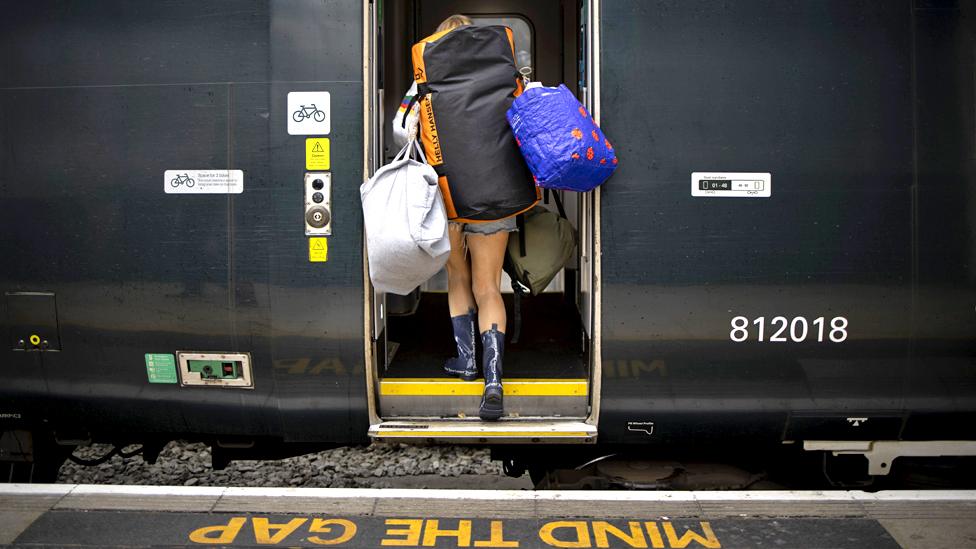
(453, 22)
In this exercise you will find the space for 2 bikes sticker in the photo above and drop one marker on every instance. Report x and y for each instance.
(203, 181)
(309, 113)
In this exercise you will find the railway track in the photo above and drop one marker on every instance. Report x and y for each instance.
(379, 465)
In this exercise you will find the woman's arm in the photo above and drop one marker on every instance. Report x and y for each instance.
(406, 122)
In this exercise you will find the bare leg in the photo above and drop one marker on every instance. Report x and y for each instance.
(487, 255)
(460, 300)
(461, 303)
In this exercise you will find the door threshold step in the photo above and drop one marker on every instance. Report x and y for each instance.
(476, 431)
(457, 399)
(440, 386)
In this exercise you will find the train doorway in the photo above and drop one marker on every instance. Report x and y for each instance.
(550, 371)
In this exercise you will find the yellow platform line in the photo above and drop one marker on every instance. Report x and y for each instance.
(455, 387)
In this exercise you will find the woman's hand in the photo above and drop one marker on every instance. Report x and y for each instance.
(413, 125)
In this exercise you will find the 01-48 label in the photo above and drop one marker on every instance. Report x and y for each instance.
(781, 329)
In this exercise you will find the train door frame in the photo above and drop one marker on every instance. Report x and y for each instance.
(451, 430)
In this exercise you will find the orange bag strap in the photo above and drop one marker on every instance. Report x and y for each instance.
(518, 77)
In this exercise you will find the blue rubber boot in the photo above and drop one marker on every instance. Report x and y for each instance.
(464, 365)
(493, 343)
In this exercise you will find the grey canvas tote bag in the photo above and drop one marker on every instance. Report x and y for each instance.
(405, 223)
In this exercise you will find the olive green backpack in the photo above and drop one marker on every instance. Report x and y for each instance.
(541, 247)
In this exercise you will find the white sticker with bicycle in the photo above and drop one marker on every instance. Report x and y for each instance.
(309, 113)
(203, 181)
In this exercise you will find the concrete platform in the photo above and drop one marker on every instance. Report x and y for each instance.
(125, 516)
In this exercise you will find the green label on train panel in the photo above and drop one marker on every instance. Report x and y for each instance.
(161, 368)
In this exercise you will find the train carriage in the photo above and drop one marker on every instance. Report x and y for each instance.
(783, 257)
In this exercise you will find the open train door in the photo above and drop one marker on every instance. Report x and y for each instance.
(551, 373)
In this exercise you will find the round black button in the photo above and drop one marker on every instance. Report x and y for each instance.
(318, 198)
(318, 184)
(317, 217)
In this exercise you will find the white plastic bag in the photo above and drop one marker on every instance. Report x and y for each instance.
(405, 222)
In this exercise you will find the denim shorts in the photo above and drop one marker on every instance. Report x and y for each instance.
(490, 227)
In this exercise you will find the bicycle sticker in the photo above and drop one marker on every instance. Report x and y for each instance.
(309, 113)
(203, 181)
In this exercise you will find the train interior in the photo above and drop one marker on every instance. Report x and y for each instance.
(546, 372)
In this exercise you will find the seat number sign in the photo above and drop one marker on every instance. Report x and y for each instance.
(731, 184)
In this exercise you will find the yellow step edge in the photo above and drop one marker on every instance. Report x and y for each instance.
(456, 387)
(484, 434)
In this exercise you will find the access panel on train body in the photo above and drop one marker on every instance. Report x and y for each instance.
(788, 243)
(181, 178)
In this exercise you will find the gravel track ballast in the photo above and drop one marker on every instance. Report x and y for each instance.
(380, 465)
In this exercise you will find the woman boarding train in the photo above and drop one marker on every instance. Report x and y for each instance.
(482, 176)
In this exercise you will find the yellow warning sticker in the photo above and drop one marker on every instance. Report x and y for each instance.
(318, 249)
(317, 153)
